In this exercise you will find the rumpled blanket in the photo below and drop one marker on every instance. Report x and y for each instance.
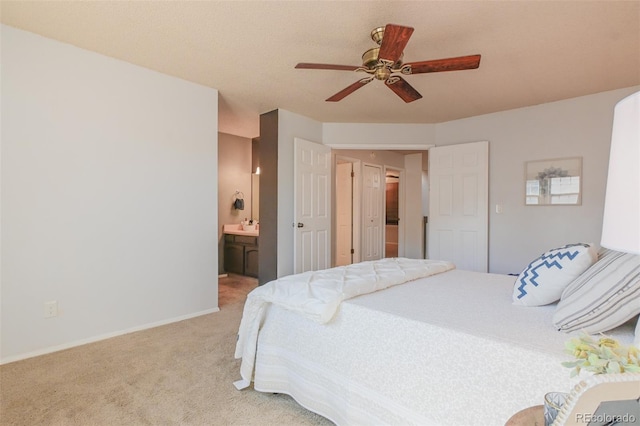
(318, 294)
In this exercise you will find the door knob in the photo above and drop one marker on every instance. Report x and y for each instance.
(300, 225)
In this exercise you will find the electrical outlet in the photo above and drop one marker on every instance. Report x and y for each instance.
(51, 309)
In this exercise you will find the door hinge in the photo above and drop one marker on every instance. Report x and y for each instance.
(352, 251)
(353, 174)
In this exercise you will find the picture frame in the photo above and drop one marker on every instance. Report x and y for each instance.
(553, 182)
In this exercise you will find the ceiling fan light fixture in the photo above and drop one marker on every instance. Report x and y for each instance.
(382, 73)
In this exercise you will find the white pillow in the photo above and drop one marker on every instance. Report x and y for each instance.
(602, 298)
(543, 281)
(636, 341)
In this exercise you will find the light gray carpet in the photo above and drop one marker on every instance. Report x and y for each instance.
(178, 374)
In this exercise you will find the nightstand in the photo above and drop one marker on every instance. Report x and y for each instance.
(532, 416)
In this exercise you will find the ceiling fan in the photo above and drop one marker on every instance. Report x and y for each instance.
(385, 63)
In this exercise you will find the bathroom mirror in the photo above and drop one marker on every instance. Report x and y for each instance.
(255, 196)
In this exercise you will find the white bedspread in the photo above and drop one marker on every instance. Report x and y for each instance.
(317, 294)
(448, 350)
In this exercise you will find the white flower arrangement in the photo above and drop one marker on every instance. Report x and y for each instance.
(602, 356)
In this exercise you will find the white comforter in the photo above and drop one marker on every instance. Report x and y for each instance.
(317, 295)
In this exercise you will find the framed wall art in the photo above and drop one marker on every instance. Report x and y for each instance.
(555, 182)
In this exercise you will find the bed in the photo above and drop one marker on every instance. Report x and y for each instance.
(446, 348)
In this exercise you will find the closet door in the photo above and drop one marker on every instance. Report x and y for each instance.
(372, 209)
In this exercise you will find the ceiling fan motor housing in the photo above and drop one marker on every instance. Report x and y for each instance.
(377, 34)
(370, 58)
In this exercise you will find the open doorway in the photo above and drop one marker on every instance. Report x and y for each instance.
(392, 212)
(364, 196)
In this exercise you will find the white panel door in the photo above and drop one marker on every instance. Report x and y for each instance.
(312, 201)
(459, 205)
(344, 214)
(372, 210)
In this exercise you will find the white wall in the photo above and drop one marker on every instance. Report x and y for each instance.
(371, 156)
(377, 135)
(109, 207)
(290, 126)
(414, 236)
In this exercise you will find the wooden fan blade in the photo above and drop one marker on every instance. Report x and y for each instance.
(449, 64)
(403, 89)
(327, 67)
(349, 90)
(394, 41)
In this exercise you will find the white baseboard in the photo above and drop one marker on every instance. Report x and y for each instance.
(81, 342)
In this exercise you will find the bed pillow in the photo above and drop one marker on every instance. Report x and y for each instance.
(636, 341)
(605, 296)
(544, 279)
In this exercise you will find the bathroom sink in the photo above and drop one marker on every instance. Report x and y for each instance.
(237, 229)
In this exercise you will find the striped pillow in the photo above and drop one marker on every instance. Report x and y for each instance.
(603, 297)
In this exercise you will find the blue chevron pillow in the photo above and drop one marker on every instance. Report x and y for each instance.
(544, 279)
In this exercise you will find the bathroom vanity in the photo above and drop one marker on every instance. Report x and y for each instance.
(240, 250)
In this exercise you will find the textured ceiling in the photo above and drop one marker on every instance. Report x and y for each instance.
(532, 51)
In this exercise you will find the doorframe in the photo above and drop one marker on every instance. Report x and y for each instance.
(401, 208)
(336, 148)
(320, 220)
(356, 207)
(483, 265)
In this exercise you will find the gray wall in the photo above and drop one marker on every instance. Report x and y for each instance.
(268, 241)
(579, 127)
(109, 181)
